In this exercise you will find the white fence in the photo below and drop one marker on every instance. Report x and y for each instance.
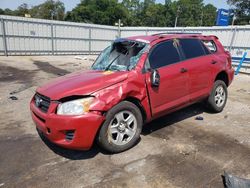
(236, 39)
(29, 36)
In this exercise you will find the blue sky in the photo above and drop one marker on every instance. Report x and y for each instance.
(69, 4)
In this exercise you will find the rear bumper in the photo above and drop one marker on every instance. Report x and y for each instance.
(230, 76)
(56, 127)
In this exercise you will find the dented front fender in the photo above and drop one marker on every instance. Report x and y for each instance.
(133, 87)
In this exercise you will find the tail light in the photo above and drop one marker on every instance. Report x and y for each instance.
(229, 60)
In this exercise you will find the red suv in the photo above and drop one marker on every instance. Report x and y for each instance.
(133, 81)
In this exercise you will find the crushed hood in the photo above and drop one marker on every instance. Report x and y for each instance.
(81, 83)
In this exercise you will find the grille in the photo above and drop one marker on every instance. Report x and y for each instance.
(70, 135)
(42, 102)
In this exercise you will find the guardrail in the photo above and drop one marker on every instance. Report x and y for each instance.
(241, 65)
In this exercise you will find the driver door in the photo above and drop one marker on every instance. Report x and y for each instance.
(172, 90)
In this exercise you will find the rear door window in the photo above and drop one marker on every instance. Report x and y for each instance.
(192, 48)
(165, 53)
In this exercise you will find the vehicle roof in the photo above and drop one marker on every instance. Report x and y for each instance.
(165, 36)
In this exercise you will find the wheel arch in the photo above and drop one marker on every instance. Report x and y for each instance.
(222, 76)
(137, 102)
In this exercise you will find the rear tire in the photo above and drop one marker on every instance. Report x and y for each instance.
(218, 97)
(121, 129)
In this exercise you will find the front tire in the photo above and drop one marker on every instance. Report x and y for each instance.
(218, 97)
(121, 129)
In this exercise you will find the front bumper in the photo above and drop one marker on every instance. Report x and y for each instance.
(56, 127)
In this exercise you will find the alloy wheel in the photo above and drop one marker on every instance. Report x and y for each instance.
(122, 128)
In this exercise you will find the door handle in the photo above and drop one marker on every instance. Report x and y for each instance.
(183, 70)
(213, 62)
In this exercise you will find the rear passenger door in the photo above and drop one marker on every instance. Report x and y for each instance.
(198, 64)
(173, 88)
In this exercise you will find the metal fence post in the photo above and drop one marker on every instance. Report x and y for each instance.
(90, 40)
(119, 28)
(52, 39)
(4, 38)
(233, 38)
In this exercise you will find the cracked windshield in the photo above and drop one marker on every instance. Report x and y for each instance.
(122, 55)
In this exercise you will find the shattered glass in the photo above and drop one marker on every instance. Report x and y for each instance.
(121, 55)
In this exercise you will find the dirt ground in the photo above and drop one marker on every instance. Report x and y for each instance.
(174, 151)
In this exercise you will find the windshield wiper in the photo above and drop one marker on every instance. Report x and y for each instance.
(107, 68)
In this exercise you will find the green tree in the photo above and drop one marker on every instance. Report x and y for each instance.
(241, 10)
(22, 10)
(167, 2)
(152, 14)
(134, 8)
(98, 11)
(132, 12)
(7, 11)
(189, 12)
(155, 15)
(209, 15)
(148, 3)
(50, 9)
(1, 11)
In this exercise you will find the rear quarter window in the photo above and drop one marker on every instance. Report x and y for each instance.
(192, 48)
(210, 46)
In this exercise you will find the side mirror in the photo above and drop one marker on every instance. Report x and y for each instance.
(155, 78)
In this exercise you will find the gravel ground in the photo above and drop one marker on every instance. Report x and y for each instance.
(174, 151)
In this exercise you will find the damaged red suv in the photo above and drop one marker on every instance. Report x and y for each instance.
(133, 81)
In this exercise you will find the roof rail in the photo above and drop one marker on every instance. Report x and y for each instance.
(169, 33)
